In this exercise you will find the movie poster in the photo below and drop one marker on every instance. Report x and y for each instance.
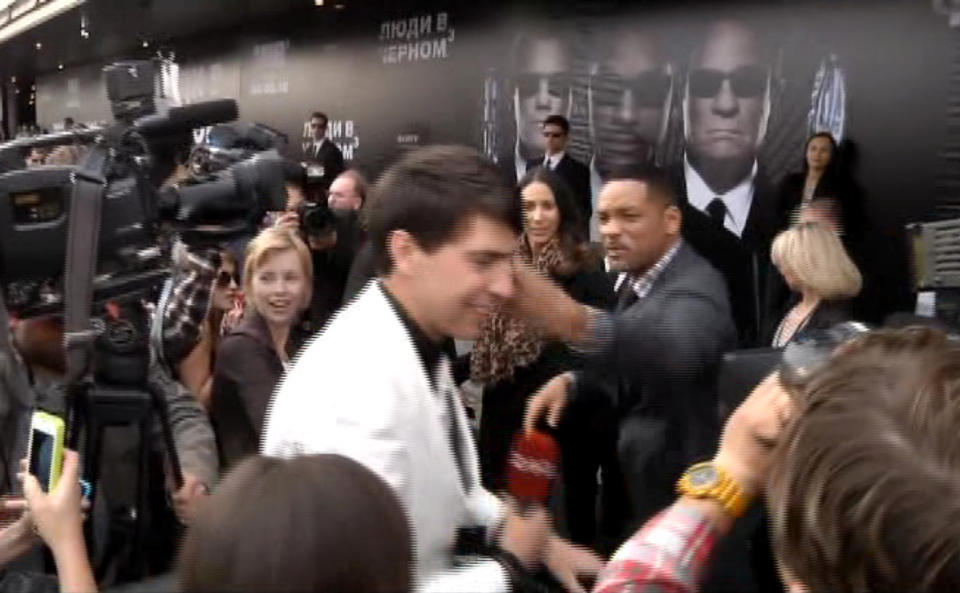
(721, 104)
(722, 95)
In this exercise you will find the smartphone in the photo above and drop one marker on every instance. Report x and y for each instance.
(46, 449)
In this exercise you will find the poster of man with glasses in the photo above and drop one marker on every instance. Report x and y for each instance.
(726, 112)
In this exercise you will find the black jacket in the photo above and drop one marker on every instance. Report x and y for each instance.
(826, 315)
(245, 374)
(362, 271)
(577, 176)
(743, 261)
(330, 158)
(331, 270)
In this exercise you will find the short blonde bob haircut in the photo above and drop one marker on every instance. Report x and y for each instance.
(815, 257)
(275, 240)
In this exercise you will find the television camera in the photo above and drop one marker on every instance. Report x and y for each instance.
(91, 243)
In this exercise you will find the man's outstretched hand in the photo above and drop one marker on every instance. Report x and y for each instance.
(548, 403)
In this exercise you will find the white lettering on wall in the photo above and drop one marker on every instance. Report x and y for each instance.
(416, 39)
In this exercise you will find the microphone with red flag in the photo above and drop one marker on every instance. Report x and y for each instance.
(532, 468)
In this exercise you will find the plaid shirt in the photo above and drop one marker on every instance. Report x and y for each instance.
(667, 555)
(601, 323)
(642, 284)
(189, 301)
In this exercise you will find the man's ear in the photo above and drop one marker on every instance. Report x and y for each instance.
(403, 250)
(673, 219)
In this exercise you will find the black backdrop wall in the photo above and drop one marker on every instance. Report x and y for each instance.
(874, 73)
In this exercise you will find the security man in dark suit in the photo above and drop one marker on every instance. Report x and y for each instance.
(323, 158)
(655, 359)
(556, 134)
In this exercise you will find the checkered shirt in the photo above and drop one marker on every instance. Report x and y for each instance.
(667, 555)
(642, 284)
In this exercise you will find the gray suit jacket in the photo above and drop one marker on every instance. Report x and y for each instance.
(656, 362)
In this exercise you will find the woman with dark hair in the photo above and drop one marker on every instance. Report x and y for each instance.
(819, 176)
(320, 523)
(510, 359)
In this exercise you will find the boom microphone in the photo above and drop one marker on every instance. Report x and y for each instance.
(532, 468)
(188, 117)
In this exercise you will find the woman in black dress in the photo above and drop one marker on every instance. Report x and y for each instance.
(512, 360)
(819, 177)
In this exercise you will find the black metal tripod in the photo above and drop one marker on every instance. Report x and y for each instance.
(103, 390)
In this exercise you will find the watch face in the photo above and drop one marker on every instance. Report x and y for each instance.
(703, 477)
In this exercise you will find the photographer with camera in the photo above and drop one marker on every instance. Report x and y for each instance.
(334, 237)
(348, 191)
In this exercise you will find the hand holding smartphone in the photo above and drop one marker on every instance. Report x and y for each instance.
(45, 461)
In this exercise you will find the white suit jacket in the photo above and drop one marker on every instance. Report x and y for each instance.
(359, 390)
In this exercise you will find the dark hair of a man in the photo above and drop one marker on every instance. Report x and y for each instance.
(659, 185)
(320, 115)
(312, 523)
(558, 120)
(573, 241)
(433, 193)
(864, 490)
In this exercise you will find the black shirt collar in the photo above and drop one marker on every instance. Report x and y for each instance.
(429, 350)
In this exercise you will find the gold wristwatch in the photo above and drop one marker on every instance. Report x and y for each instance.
(710, 481)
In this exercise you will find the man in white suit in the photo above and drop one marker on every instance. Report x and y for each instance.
(377, 385)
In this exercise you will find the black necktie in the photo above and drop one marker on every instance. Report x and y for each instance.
(717, 211)
(455, 444)
(627, 296)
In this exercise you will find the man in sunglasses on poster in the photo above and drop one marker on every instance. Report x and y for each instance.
(728, 201)
(629, 96)
(541, 69)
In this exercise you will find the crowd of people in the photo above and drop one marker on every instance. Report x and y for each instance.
(314, 385)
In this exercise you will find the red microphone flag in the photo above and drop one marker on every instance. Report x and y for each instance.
(532, 467)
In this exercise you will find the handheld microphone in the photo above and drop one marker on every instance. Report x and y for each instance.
(533, 467)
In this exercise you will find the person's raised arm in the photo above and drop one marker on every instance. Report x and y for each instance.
(672, 549)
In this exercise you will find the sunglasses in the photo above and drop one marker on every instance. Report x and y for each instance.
(528, 85)
(649, 89)
(747, 82)
(224, 278)
(552, 135)
(321, 126)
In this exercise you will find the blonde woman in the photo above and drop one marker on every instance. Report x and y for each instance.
(821, 276)
(277, 279)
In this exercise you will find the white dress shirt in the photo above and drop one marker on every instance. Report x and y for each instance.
(737, 201)
(551, 161)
